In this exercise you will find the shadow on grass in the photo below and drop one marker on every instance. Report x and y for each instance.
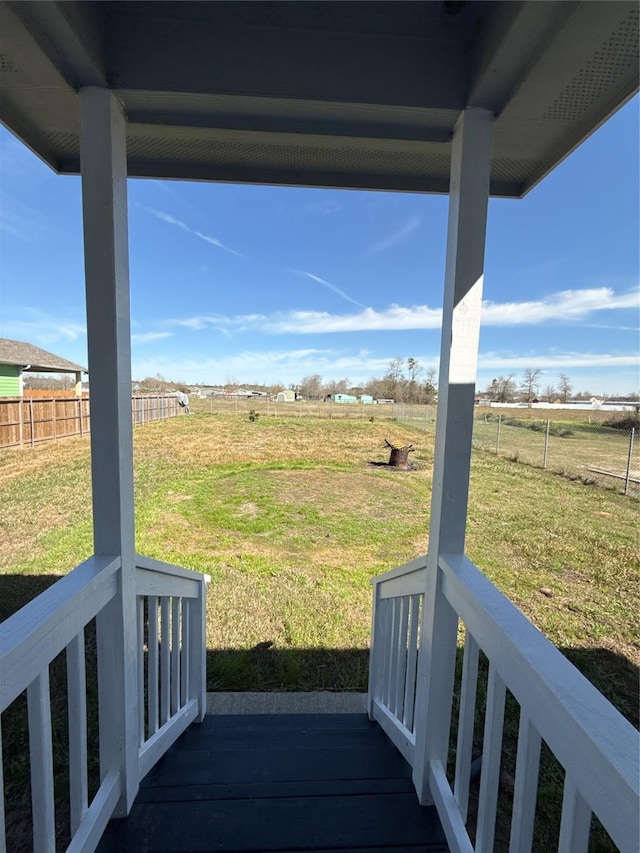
(266, 667)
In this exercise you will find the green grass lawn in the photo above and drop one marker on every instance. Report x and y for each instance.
(291, 519)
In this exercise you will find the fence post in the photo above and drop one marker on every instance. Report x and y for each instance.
(498, 436)
(21, 422)
(628, 475)
(55, 425)
(546, 444)
(33, 440)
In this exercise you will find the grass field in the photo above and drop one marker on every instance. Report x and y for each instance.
(291, 520)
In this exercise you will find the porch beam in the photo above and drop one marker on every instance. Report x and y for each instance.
(468, 202)
(106, 251)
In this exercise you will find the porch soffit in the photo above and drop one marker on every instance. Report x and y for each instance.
(329, 94)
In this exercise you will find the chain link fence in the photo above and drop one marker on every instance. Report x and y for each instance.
(418, 415)
(590, 452)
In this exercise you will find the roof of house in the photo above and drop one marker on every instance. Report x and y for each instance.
(38, 360)
(328, 94)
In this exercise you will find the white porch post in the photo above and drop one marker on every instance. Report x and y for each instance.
(104, 200)
(469, 195)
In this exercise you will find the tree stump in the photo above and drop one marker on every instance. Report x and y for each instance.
(399, 457)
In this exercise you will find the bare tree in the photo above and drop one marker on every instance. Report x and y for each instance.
(530, 383)
(394, 380)
(413, 390)
(430, 387)
(339, 386)
(502, 389)
(550, 393)
(565, 387)
(311, 387)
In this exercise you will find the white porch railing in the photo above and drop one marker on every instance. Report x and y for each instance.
(395, 637)
(172, 684)
(171, 677)
(595, 745)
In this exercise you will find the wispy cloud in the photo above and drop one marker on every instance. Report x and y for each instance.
(171, 220)
(13, 225)
(330, 286)
(38, 327)
(290, 365)
(324, 207)
(397, 236)
(556, 361)
(269, 366)
(18, 219)
(149, 337)
(568, 307)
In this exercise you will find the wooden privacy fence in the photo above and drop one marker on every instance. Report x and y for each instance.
(30, 420)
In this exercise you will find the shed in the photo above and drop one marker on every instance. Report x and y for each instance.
(342, 398)
(287, 396)
(18, 358)
(366, 399)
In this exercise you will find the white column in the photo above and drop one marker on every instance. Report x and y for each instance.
(106, 249)
(469, 195)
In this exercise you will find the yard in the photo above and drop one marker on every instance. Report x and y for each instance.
(291, 519)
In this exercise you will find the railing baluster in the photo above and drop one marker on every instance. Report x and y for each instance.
(387, 623)
(412, 659)
(526, 785)
(77, 713)
(175, 654)
(141, 703)
(491, 753)
(184, 654)
(152, 669)
(394, 650)
(575, 824)
(401, 661)
(466, 716)
(41, 756)
(165, 660)
(392, 629)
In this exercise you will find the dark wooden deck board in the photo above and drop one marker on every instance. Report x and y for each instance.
(278, 783)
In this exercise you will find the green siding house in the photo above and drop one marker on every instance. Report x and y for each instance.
(10, 384)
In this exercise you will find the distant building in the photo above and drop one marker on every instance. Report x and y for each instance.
(342, 398)
(287, 396)
(367, 399)
(18, 358)
(383, 400)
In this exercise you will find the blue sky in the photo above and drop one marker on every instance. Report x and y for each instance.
(267, 284)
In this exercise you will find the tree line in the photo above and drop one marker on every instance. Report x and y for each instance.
(405, 381)
(531, 389)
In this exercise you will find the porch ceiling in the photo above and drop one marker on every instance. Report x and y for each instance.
(329, 94)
